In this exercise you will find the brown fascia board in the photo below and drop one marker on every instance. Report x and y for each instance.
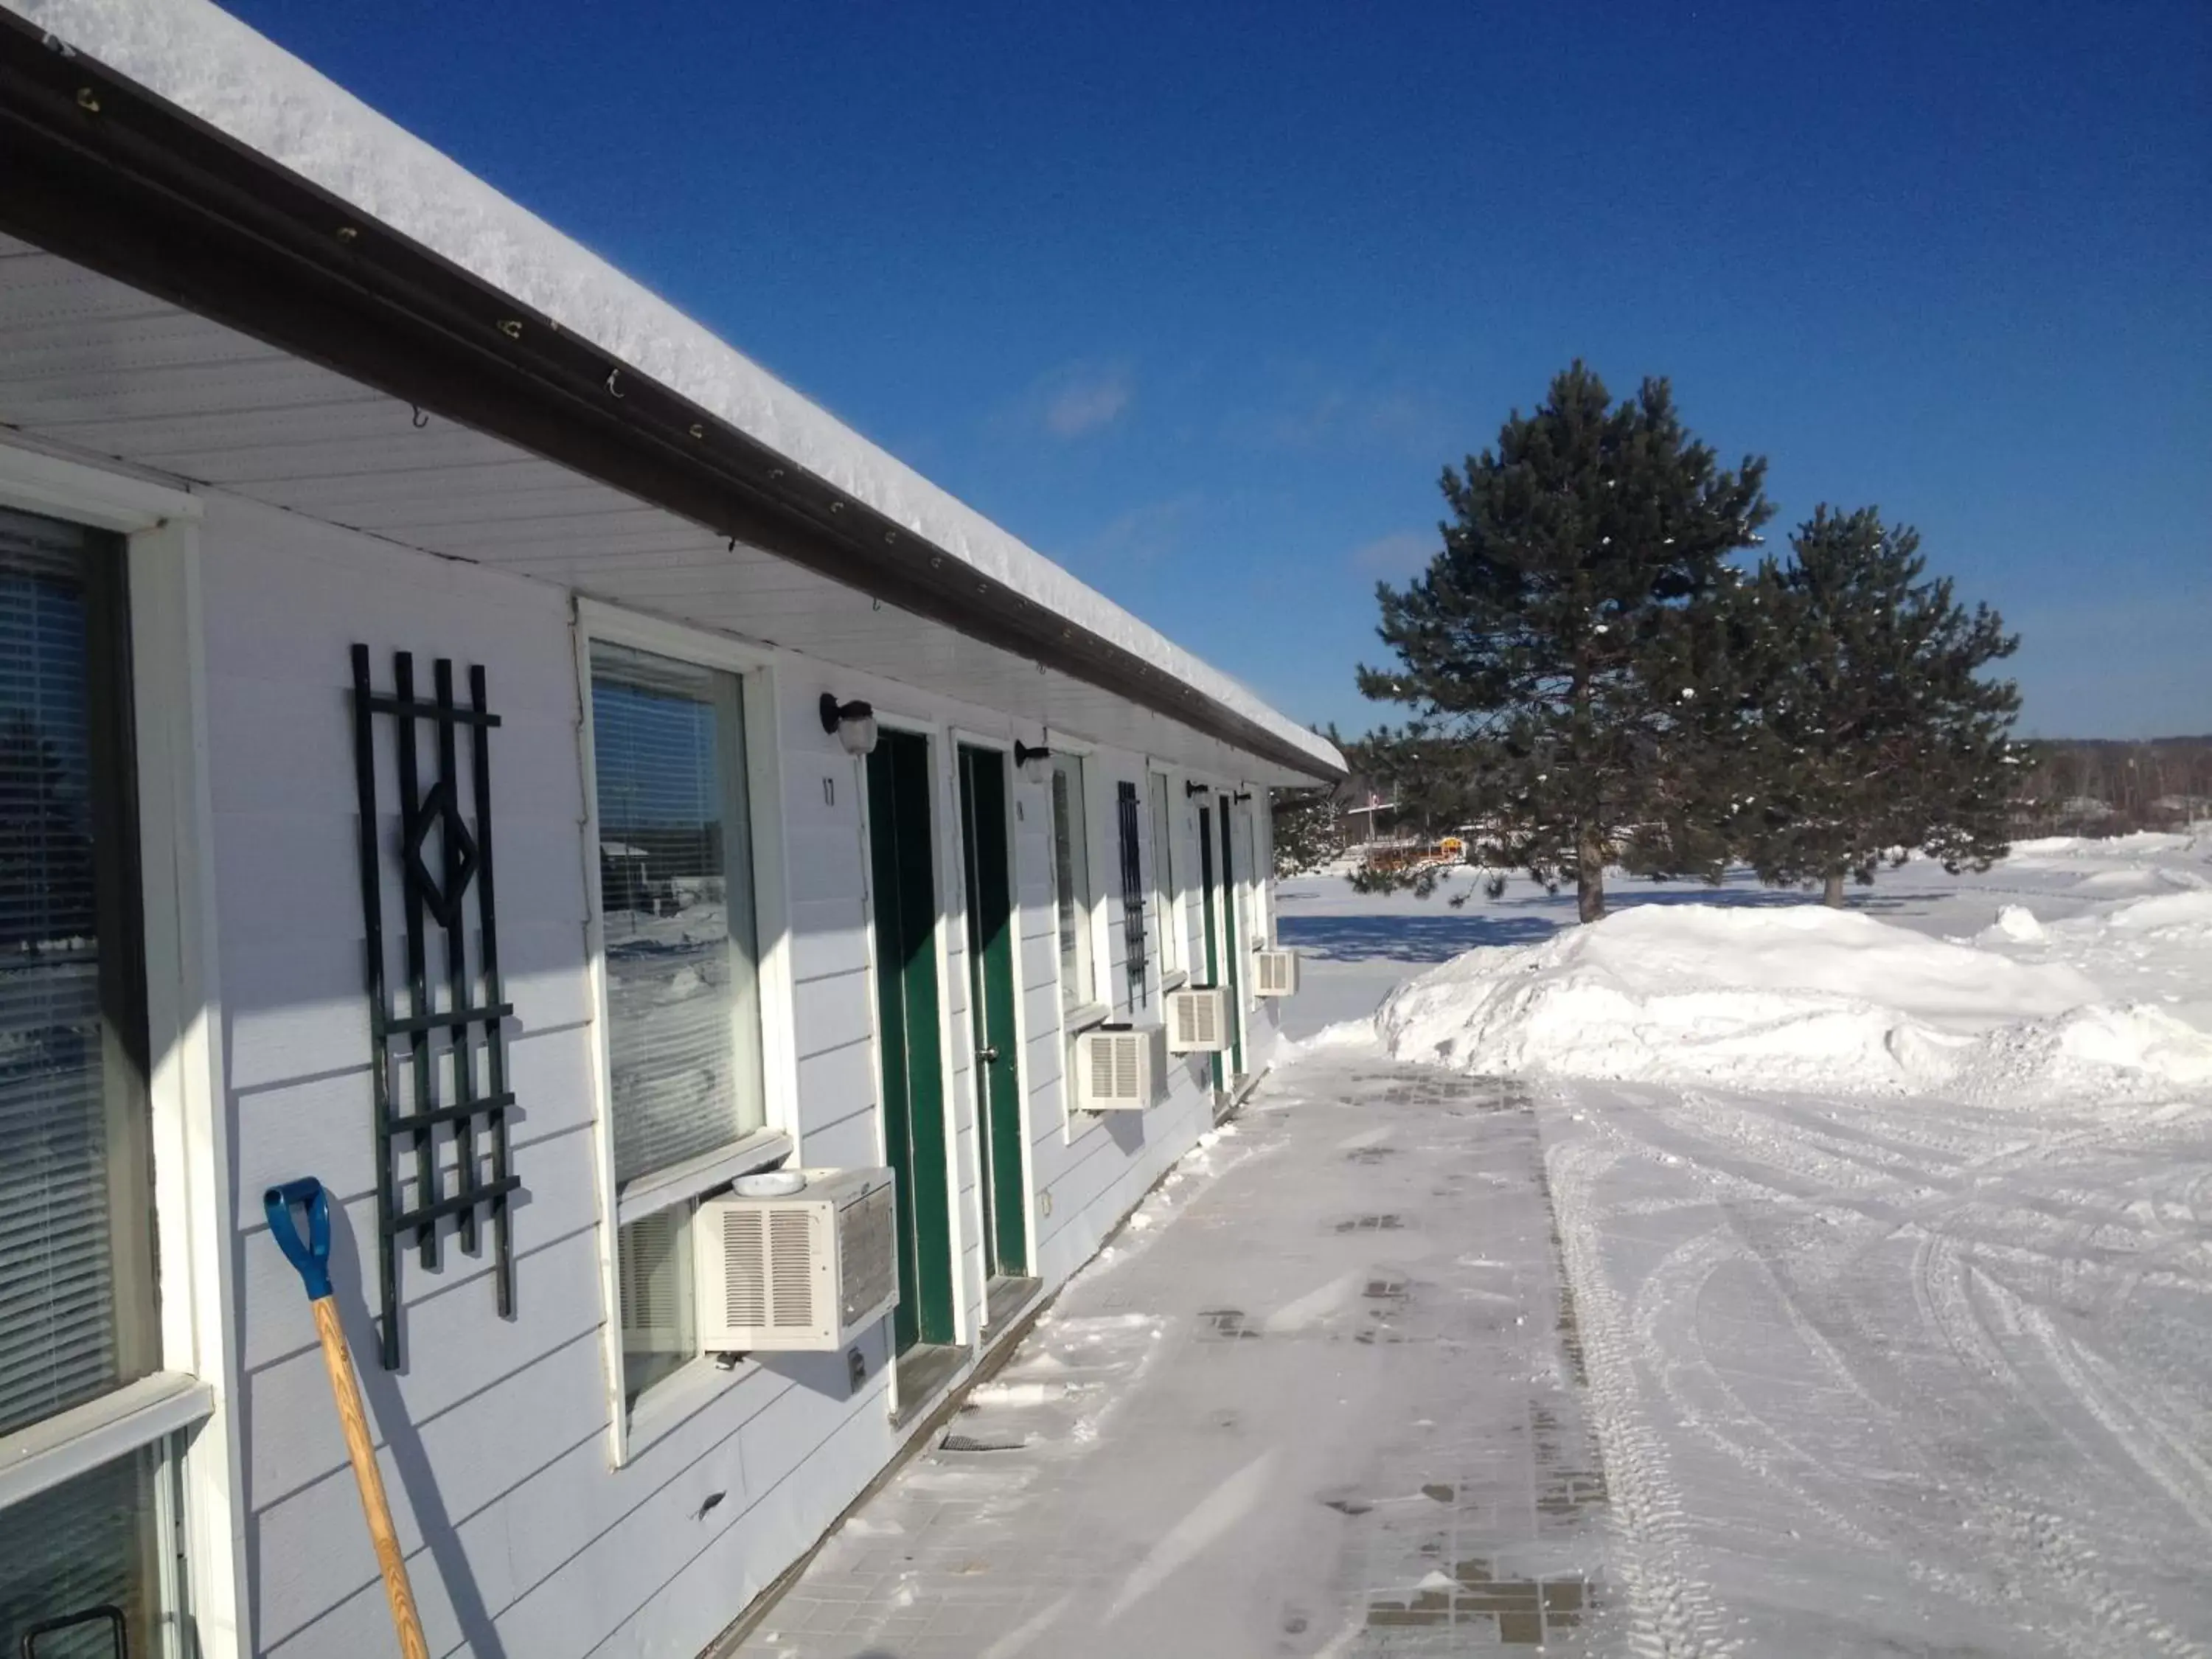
(100, 170)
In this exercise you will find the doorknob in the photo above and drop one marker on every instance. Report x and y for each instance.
(988, 1054)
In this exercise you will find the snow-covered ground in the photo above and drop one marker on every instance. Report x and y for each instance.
(1813, 1285)
(1890, 1235)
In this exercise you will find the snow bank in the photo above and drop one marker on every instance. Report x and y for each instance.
(2182, 915)
(2150, 863)
(1799, 997)
(2160, 844)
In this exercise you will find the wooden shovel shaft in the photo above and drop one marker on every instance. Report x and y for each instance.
(338, 1361)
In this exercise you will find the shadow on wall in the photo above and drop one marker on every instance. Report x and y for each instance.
(1401, 938)
(831, 1374)
(410, 1461)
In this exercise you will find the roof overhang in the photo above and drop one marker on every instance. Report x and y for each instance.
(114, 177)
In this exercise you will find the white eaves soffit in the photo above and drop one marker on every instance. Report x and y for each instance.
(215, 68)
(92, 368)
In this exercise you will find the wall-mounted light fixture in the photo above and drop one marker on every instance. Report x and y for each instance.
(1035, 763)
(1194, 789)
(853, 724)
(1241, 796)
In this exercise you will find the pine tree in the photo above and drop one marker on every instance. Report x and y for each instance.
(1308, 828)
(1876, 733)
(1554, 647)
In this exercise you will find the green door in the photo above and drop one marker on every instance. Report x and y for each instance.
(1212, 906)
(907, 1021)
(991, 1008)
(1232, 938)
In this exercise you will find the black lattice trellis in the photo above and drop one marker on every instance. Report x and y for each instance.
(410, 1061)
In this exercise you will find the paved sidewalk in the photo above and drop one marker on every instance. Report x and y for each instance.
(1324, 1397)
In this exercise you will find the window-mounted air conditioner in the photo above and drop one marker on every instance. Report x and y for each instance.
(808, 1271)
(1274, 973)
(1119, 1068)
(1198, 1020)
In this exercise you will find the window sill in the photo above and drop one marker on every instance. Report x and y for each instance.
(60, 1447)
(647, 1193)
(1079, 1020)
(679, 1398)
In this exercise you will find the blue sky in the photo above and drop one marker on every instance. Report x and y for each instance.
(1200, 300)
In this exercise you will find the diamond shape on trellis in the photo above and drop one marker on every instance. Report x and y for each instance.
(438, 809)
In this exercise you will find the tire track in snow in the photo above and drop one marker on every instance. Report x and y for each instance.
(2160, 1449)
(2037, 1544)
(2029, 1544)
(1695, 1261)
(1672, 1612)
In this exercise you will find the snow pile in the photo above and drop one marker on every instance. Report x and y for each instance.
(2149, 862)
(2017, 924)
(2179, 918)
(1796, 997)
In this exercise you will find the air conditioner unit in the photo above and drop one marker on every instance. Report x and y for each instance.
(806, 1272)
(1274, 973)
(1198, 1020)
(1118, 1068)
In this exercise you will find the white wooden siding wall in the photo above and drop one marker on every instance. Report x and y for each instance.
(494, 1436)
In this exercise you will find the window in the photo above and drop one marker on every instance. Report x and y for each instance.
(1070, 865)
(1256, 876)
(1132, 893)
(1164, 927)
(78, 1315)
(92, 1542)
(682, 970)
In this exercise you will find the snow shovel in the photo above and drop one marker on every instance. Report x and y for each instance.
(311, 1256)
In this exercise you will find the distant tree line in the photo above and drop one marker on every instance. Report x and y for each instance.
(2098, 786)
(1602, 670)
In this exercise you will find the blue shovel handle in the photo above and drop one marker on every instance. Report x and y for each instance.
(311, 1256)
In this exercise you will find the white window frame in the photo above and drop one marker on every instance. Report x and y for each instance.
(670, 1402)
(1255, 932)
(1263, 850)
(187, 1411)
(1082, 1016)
(1172, 944)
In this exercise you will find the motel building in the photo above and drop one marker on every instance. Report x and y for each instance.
(469, 736)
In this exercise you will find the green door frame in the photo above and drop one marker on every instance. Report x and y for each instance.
(985, 848)
(1232, 939)
(901, 865)
(1211, 905)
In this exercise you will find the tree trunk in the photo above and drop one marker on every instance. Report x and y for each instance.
(1832, 894)
(1590, 878)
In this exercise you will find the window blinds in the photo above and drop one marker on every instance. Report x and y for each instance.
(86, 1543)
(676, 897)
(1071, 859)
(1163, 872)
(73, 1201)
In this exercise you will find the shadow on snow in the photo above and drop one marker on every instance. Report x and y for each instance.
(1525, 918)
(1401, 938)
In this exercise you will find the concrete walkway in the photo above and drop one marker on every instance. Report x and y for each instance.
(1323, 1397)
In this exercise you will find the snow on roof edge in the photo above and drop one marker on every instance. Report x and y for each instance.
(209, 63)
